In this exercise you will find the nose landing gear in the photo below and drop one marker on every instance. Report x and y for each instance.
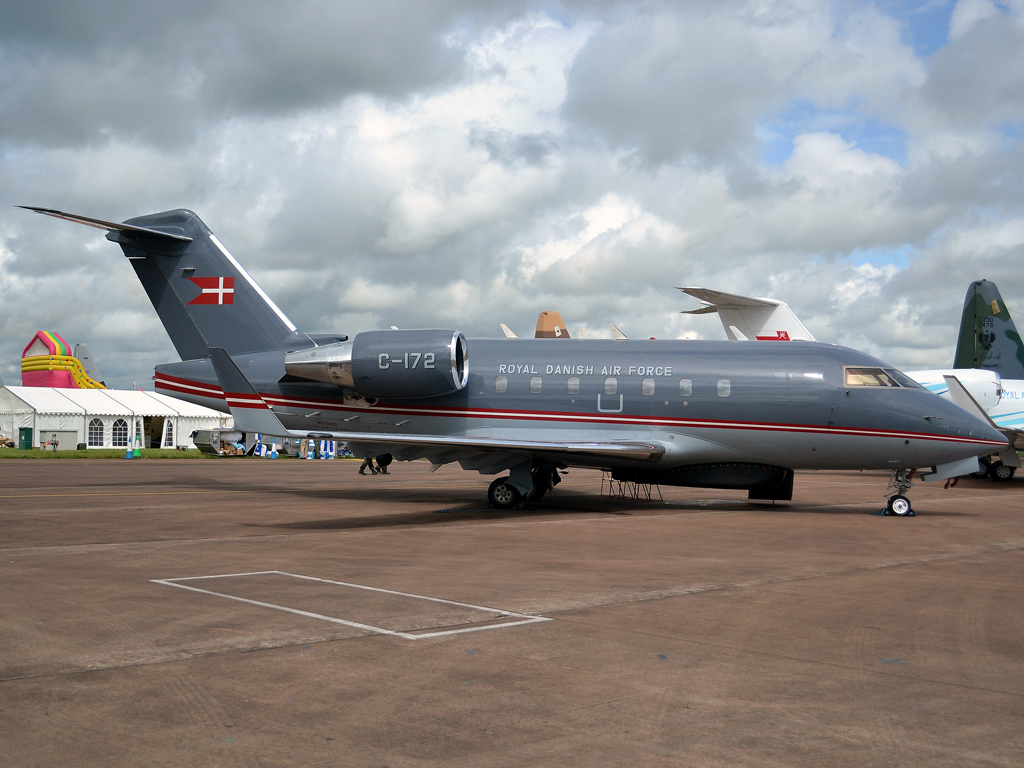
(898, 504)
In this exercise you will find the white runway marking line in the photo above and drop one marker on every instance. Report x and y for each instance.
(523, 618)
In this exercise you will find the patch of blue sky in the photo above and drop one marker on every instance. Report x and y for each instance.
(1013, 133)
(876, 257)
(804, 116)
(559, 13)
(880, 257)
(925, 22)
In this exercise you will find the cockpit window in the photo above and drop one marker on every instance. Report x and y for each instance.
(878, 377)
(903, 379)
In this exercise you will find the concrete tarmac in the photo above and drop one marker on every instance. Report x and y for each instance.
(245, 612)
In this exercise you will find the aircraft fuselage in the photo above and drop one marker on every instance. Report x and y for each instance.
(705, 401)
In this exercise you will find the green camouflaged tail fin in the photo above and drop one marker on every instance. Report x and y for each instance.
(988, 337)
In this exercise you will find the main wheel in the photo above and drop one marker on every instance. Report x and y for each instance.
(501, 495)
(899, 505)
(1001, 471)
(984, 467)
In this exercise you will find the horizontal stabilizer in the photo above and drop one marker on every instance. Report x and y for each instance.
(748, 319)
(110, 226)
(723, 299)
(202, 294)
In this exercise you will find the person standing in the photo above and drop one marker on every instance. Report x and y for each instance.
(367, 462)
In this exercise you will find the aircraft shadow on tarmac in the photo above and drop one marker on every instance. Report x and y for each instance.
(458, 510)
(567, 505)
(465, 505)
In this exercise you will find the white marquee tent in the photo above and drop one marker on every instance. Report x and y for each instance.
(103, 418)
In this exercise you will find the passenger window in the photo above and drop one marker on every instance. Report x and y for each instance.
(869, 377)
(648, 386)
(610, 385)
(685, 387)
(500, 383)
(573, 385)
(724, 387)
(535, 382)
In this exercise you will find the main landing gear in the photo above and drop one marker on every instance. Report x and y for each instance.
(994, 470)
(898, 504)
(502, 494)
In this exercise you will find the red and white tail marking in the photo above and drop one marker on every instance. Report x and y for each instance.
(215, 290)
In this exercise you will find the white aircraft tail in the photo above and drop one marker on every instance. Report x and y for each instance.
(750, 319)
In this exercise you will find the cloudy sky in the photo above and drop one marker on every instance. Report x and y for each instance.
(448, 163)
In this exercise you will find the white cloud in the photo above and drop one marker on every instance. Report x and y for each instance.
(611, 224)
(967, 13)
(866, 281)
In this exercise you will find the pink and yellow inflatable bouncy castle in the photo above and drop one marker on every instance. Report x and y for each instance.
(47, 362)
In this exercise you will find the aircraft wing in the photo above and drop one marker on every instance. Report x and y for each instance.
(959, 394)
(252, 414)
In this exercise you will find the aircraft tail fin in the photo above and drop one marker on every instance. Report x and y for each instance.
(749, 319)
(203, 296)
(988, 338)
(550, 326)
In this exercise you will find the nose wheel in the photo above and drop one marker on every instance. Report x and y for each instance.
(898, 504)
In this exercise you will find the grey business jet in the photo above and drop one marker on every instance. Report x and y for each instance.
(708, 414)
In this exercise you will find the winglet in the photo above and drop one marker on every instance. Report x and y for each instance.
(250, 412)
(958, 394)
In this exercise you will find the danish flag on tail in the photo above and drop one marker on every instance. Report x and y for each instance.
(216, 290)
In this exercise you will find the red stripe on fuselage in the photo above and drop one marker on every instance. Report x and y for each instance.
(165, 381)
(566, 416)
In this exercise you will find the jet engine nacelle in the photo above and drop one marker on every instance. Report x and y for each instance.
(395, 364)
